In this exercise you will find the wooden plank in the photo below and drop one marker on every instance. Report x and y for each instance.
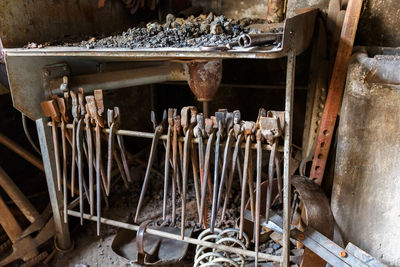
(3, 90)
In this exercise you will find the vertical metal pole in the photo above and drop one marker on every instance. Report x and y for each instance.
(46, 146)
(290, 71)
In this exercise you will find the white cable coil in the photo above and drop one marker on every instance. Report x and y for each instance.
(215, 257)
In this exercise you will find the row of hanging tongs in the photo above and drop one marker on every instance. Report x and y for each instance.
(192, 139)
(82, 125)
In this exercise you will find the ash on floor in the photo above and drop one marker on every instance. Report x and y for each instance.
(93, 250)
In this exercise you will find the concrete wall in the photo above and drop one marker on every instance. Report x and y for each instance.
(366, 190)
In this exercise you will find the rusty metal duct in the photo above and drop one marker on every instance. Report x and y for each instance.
(204, 78)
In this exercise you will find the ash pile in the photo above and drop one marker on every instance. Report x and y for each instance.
(204, 30)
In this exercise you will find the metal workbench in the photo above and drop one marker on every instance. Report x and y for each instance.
(25, 76)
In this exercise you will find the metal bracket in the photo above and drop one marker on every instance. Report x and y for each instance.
(55, 76)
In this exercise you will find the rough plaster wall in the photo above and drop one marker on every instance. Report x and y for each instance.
(366, 190)
(256, 8)
(379, 23)
(295, 4)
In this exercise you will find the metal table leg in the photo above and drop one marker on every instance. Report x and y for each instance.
(46, 146)
(290, 71)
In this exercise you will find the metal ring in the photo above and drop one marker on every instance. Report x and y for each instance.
(64, 251)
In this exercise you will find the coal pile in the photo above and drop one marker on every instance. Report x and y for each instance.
(204, 30)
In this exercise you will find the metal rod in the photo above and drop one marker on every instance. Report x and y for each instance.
(180, 139)
(291, 63)
(125, 78)
(206, 109)
(187, 239)
(21, 151)
(247, 86)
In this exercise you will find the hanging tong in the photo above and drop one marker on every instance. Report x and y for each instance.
(271, 130)
(79, 145)
(175, 164)
(227, 156)
(50, 110)
(171, 115)
(248, 129)
(199, 133)
(158, 129)
(113, 119)
(96, 109)
(89, 140)
(188, 122)
(220, 118)
(210, 132)
(259, 138)
(237, 131)
(62, 106)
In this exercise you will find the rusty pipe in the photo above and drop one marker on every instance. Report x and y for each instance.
(168, 71)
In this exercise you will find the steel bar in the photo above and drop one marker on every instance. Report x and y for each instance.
(126, 78)
(335, 91)
(247, 86)
(290, 71)
(21, 151)
(190, 240)
(62, 232)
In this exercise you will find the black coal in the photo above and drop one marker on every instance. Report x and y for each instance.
(204, 30)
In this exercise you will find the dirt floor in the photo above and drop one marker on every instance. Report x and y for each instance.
(93, 250)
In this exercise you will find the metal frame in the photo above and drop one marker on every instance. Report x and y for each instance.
(63, 237)
(23, 82)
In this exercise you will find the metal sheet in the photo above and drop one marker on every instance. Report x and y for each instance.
(366, 189)
(24, 66)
